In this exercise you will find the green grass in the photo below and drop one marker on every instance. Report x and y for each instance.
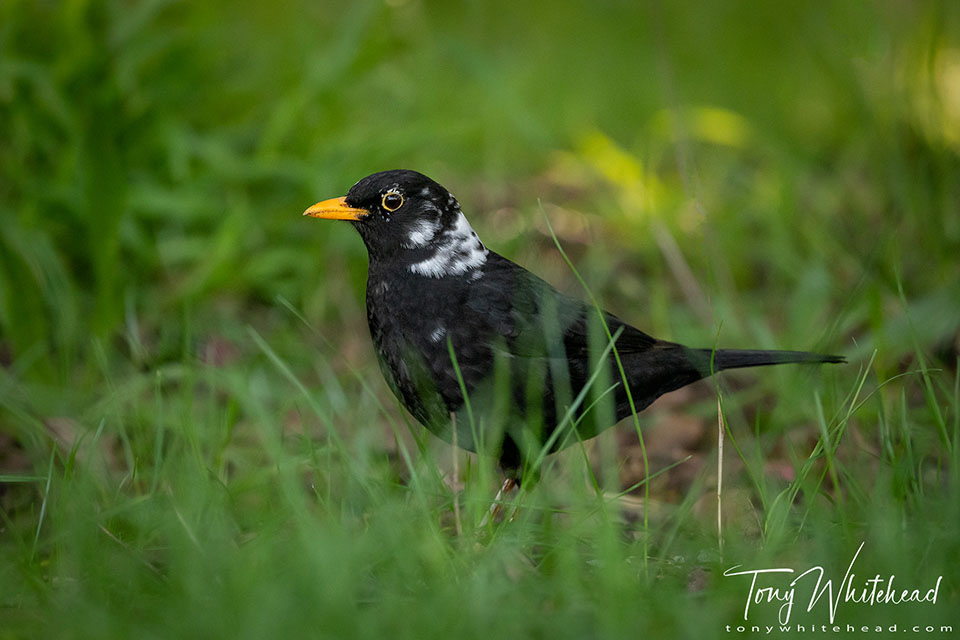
(195, 439)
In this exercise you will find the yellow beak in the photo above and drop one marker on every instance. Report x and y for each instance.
(335, 209)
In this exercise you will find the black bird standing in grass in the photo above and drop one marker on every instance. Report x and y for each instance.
(540, 369)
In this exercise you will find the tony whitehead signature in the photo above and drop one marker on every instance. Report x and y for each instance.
(876, 590)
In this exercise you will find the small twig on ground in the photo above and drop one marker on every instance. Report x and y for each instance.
(719, 474)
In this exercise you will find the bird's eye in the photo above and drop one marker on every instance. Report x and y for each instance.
(392, 201)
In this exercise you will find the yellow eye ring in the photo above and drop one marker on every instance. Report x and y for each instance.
(392, 200)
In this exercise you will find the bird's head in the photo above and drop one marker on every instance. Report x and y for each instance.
(404, 215)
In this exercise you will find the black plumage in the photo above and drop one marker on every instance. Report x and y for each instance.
(529, 357)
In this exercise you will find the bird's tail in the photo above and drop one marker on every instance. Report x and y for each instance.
(721, 359)
(671, 366)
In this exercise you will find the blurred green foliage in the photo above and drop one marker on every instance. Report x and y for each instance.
(154, 155)
(183, 355)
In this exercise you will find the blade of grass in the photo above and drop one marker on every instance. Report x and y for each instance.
(44, 502)
(620, 369)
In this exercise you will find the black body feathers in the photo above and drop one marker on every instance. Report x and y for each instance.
(525, 353)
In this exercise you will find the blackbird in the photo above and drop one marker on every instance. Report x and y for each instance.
(475, 344)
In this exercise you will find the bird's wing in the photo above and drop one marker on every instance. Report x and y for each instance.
(533, 319)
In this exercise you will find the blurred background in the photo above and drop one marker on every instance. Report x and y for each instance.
(777, 175)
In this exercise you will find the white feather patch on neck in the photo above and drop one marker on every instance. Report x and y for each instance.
(422, 234)
(456, 251)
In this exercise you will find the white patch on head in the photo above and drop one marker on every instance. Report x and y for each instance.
(438, 334)
(425, 192)
(457, 250)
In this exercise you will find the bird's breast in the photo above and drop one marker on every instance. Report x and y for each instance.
(413, 322)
